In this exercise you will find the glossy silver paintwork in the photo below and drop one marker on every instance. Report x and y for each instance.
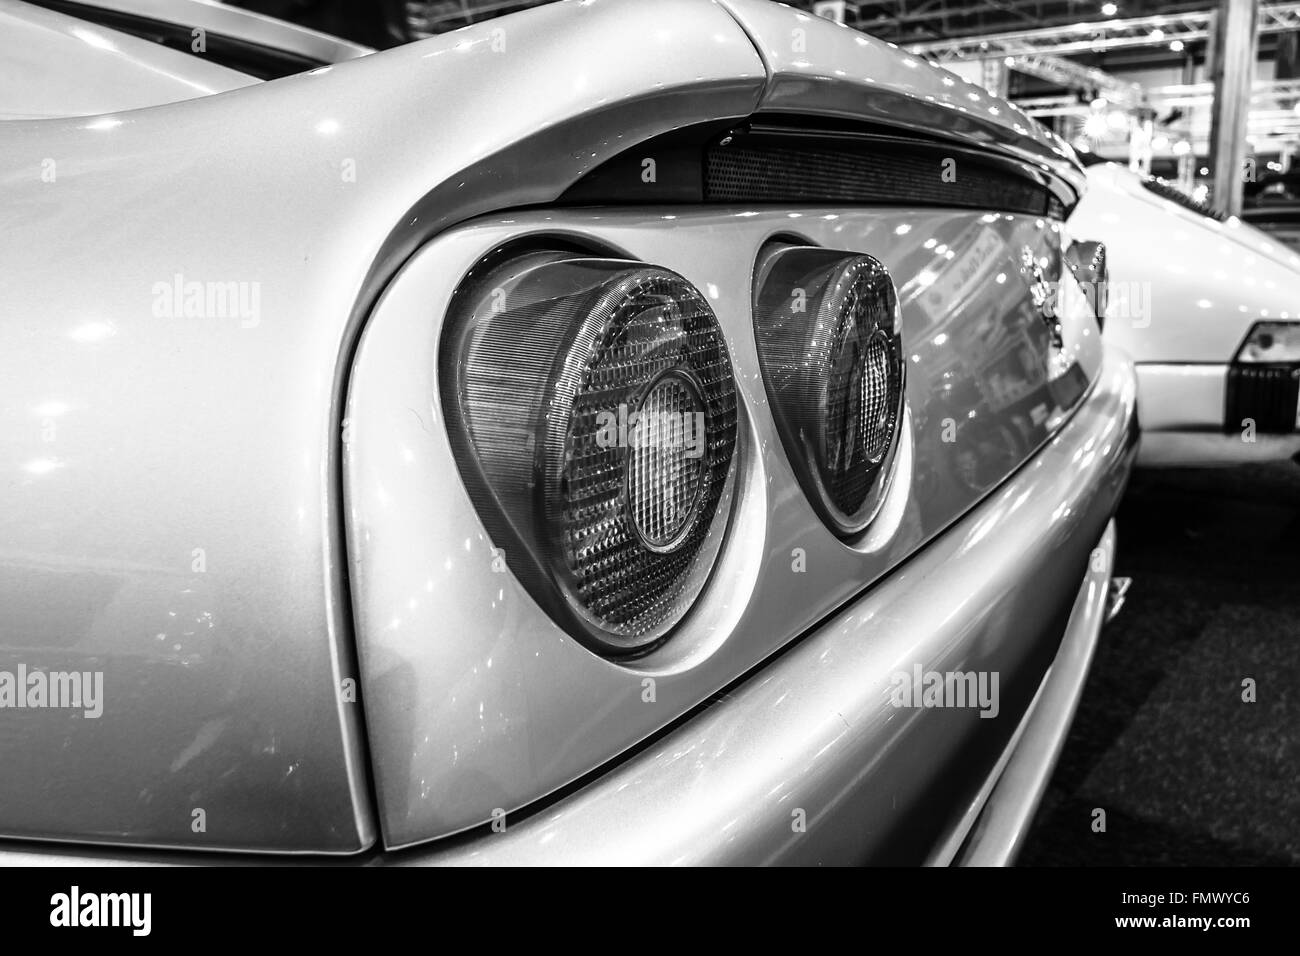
(815, 728)
(177, 434)
(1007, 814)
(171, 435)
(55, 65)
(476, 699)
(240, 24)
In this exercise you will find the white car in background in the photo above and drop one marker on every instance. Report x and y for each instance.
(1210, 312)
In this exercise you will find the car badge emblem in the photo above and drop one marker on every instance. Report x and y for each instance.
(1043, 296)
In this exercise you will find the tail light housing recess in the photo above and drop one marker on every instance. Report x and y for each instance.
(826, 324)
(591, 407)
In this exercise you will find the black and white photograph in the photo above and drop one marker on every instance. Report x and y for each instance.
(650, 433)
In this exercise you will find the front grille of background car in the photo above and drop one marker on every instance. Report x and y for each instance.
(768, 170)
(1265, 394)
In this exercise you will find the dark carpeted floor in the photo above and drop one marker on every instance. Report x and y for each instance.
(1187, 773)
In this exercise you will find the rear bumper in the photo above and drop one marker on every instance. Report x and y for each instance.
(1195, 415)
(808, 760)
(1182, 396)
(1000, 821)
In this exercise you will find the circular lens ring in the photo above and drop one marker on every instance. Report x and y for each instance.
(520, 354)
(881, 409)
(835, 374)
(621, 621)
(861, 288)
(685, 380)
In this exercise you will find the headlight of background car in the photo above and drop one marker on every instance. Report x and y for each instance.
(592, 409)
(1273, 342)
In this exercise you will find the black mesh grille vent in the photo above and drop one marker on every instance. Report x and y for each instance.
(820, 172)
(1268, 394)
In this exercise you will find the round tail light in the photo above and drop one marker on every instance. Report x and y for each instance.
(826, 326)
(592, 408)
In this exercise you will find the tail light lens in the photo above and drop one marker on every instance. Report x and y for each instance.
(592, 409)
(826, 326)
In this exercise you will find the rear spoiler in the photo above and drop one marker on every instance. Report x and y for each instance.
(817, 68)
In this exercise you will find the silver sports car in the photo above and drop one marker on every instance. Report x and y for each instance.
(617, 432)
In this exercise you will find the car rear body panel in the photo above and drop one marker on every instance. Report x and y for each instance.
(814, 733)
(479, 702)
(814, 738)
(180, 526)
(183, 517)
